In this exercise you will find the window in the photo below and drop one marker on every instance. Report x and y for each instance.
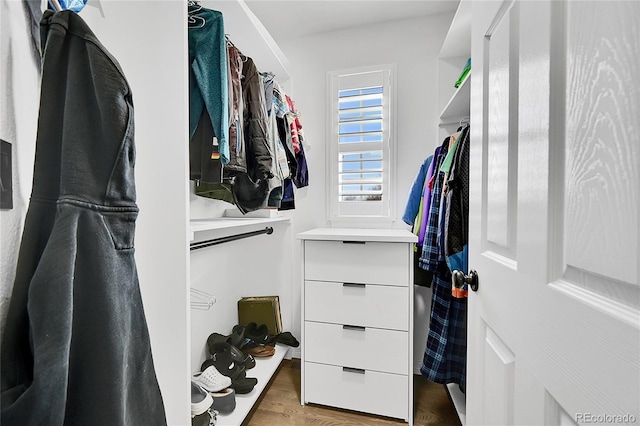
(360, 152)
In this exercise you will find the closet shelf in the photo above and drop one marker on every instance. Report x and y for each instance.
(458, 106)
(263, 371)
(458, 39)
(359, 234)
(251, 37)
(228, 223)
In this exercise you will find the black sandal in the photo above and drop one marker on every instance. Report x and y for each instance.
(236, 338)
(226, 365)
(237, 355)
(258, 333)
(285, 338)
(243, 385)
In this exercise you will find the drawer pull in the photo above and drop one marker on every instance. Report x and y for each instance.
(353, 327)
(353, 242)
(353, 370)
(354, 285)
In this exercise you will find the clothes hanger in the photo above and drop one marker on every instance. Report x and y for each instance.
(196, 21)
(193, 20)
(194, 6)
(56, 5)
(201, 299)
(229, 42)
(464, 122)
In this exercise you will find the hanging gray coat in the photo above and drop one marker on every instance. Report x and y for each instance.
(76, 349)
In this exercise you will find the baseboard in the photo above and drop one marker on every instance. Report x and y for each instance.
(295, 353)
(459, 401)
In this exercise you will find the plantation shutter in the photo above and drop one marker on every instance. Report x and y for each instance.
(361, 110)
(361, 138)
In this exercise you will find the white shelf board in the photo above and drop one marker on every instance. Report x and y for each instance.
(458, 39)
(251, 37)
(459, 105)
(359, 234)
(226, 223)
(263, 371)
(261, 213)
(459, 401)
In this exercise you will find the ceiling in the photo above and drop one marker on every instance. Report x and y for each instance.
(287, 19)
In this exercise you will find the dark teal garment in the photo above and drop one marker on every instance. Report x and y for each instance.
(208, 85)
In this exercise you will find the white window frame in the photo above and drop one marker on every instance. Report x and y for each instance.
(366, 213)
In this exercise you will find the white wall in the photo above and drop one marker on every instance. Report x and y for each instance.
(20, 89)
(412, 44)
(151, 46)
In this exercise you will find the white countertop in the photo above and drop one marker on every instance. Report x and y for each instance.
(359, 234)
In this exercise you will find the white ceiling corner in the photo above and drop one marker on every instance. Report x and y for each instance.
(289, 19)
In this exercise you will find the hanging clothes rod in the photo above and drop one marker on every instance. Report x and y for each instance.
(464, 120)
(208, 243)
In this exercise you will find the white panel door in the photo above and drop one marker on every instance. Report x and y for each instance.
(554, 328)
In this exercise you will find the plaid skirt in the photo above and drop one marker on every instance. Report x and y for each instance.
(445, 355)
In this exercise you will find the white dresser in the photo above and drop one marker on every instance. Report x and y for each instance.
(357, 320)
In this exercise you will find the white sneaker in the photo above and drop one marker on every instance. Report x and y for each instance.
(211, 379)
(201, 400)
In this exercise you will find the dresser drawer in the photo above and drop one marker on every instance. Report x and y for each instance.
(369, 391)
(367, 348)
(367, 305)
(366, 262)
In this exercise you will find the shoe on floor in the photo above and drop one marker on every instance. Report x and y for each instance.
(261, 351)
(244, 385)
(236, 338)
(244, 359)
(224, 401)
(225, 364)
(208, 418)
(285, 338)
(258, 333)
(211, 380)
(201, 400)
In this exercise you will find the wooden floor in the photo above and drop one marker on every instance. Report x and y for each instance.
(280, 405)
